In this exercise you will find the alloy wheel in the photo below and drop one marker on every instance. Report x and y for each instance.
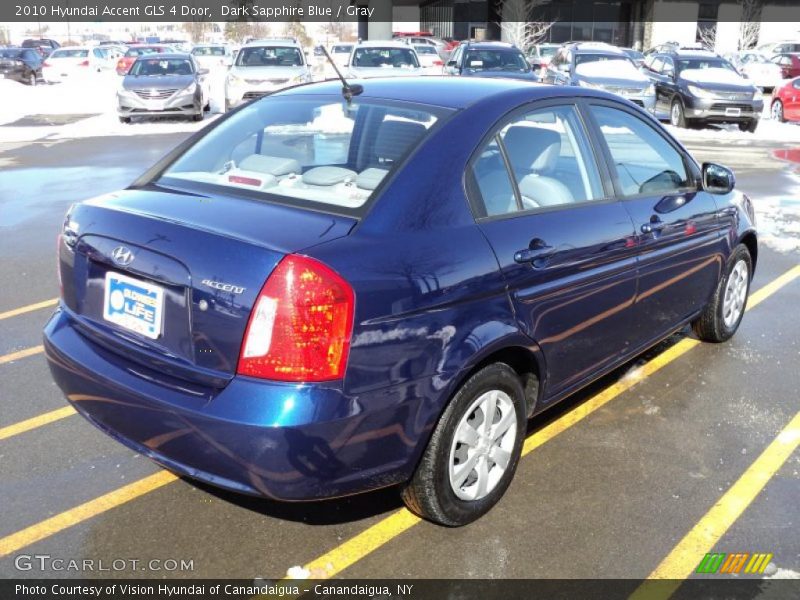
(735, 294)
(482, 445)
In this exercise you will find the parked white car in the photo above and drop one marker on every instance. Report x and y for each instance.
(75, 62)
(383, 59)
(761, 71)
(429, 59)
(340, 53)
(212, 56)
(263, 67)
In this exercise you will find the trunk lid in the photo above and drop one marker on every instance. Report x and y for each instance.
(194, 263)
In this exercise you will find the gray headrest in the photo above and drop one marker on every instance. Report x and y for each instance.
(532, 148)
(328, 175)
(271, 165)
(544, 191)
(395, 138)
(370, 178)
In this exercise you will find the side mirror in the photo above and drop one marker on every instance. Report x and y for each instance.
(451, 63)
(717, 179)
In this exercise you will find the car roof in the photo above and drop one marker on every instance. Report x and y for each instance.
(692, 54)
(492, 45)
(447, 92)
(272, 42)
(166, 56)
(596, 48)
(381, 44)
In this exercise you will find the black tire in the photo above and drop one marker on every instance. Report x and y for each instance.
(710, 326)
(198, 117)
(776, 110)
(749, 126)
(677, 116)
(32, 79)
(429, 493)
(125, 120)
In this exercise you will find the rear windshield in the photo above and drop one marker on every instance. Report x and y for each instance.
(141, 51)
(385, 57)
(316, 152)
(155, 67)
(495, 60)
(342, 49)
(75, 53)
(209, 51)
(587, 58)
(270, 56)
(425, 49)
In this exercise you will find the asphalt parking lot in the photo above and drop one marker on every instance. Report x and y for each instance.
(682, 452)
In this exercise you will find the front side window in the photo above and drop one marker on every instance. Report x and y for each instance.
(550, 163)
(307, 150)
(385, 57)
(269, 56)
(644, 161)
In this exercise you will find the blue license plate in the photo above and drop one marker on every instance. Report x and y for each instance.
(133, 304)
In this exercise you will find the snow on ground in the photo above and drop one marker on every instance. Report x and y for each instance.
(93, 96)
(778, 221)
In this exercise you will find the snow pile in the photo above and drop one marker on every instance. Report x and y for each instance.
(778, 221)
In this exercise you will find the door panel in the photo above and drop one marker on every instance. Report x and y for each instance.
(678, 234)
(567, 254)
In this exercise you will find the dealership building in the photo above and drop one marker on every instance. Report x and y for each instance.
(641, 23)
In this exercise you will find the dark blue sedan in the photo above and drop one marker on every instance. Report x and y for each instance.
(319, 296)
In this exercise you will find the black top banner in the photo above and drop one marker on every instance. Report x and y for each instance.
(353, 10)
(195, 10)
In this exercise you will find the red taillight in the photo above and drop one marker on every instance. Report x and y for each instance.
(46, 64)
(300, 326)
(85, 63)
(438, 63)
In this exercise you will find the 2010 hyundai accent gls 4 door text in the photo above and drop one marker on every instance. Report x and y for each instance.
(327, 293)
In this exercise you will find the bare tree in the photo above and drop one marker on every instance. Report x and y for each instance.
(518, 22)
(750, 26)
(707, 35)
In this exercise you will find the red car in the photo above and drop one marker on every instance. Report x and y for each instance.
(786, 101)
(789, 62)
(124, 64)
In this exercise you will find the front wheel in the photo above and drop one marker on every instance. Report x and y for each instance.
(198, 117)
(721, 317)
(749, 126)
(676, 115)
(473, 452)
(32, 79)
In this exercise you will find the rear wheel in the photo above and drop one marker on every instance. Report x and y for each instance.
(749, 126)
(125, 120)
(721, 317)
(199, 116)
(32, 79)
(676, 115)
(473, 452)
(777, 111)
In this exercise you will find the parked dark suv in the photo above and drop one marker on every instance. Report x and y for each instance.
(699, 87)
(21, 64)
(489, 59)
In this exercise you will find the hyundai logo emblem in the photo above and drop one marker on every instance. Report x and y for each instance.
(122, 256)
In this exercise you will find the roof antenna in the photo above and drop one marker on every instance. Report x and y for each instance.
(348, 91)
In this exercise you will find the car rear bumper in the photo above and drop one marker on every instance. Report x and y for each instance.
(283, 441)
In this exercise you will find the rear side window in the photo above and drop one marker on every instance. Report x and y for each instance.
(310, 151)
(645, 162)
(549, 159)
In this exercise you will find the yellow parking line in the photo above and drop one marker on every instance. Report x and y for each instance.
(34, 422)
(7, 358)
(356, 548)
(684, 558)
(773, 286)
(87, 510)
(29, 308)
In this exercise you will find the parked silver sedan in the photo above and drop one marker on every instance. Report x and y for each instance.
(167, 84)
